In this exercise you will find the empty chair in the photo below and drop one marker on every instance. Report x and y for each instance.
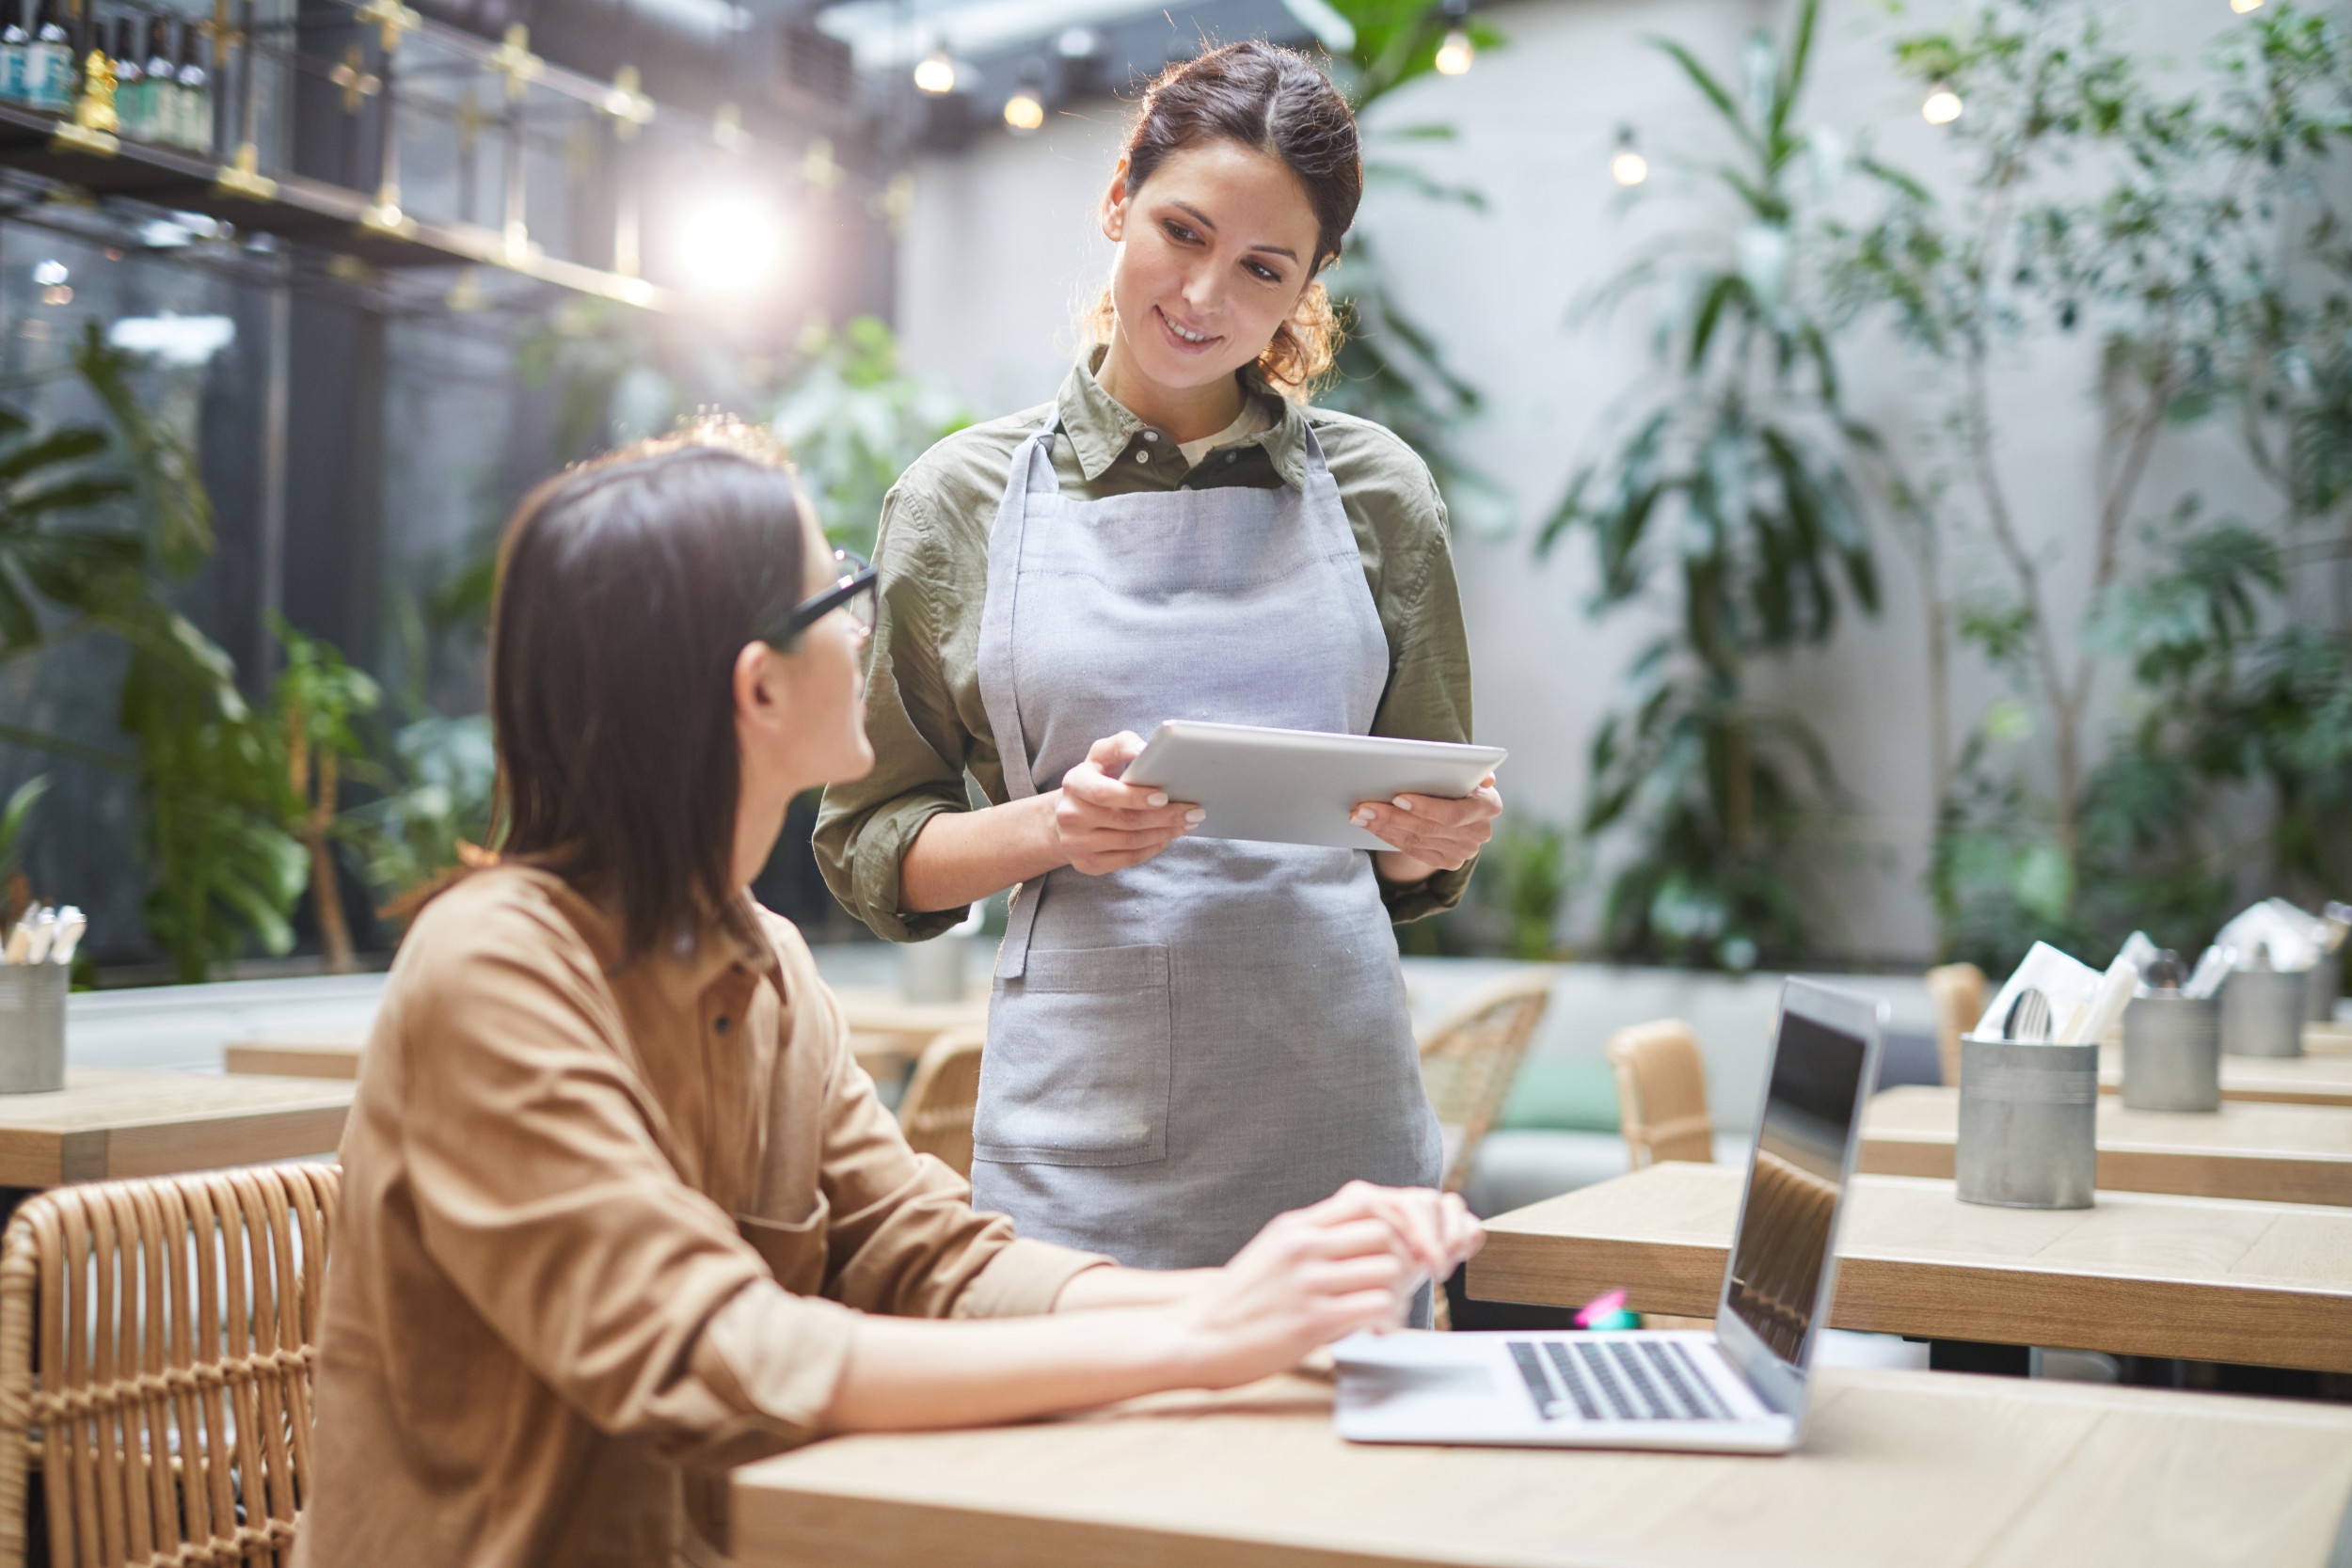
(1661, 1093)
(936, 1112)
(1470, 1062)
(1958, 993)
(156, 1339)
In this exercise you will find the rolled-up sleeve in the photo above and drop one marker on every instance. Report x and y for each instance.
(1428, 696)
(865, 827)
(543, 1198)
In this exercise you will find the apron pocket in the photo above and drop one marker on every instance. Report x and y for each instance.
(1076, 1071)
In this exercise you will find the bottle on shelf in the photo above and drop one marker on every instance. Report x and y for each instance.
(49, 62)
(12, 41)
(162, 85)
(130, 101)
(192, 114)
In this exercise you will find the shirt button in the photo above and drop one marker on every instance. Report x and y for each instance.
(1143, 458)
(1150, 434)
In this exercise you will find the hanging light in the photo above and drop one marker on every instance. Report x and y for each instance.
(1626, 165)
(730, 243)
(1455, 52)
(1941, 106)
(1025, 111)
(935, 72)
(2242, 7)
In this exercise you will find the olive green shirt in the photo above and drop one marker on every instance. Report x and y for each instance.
(924, 712)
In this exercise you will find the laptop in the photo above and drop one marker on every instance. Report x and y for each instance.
(1740, 1390)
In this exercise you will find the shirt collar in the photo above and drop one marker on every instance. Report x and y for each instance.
(1101, 429)
(717, 946)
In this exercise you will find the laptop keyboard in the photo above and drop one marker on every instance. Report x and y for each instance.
(1600, 1380)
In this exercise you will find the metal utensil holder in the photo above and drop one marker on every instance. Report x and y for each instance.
(2029, 1124)
(2323, 984)
(2262, 1012)
(32, 1028)
(2173, 1053)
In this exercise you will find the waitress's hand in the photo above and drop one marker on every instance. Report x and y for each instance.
(1102, 825)
(1430, 832)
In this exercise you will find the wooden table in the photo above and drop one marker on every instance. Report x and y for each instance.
(107, 1124)
(2321, 1076)
(2249, 1148)
(885, 1034)
(1929, 1470)
(2141, 1273)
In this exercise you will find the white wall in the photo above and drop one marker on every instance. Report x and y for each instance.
(1000, 247)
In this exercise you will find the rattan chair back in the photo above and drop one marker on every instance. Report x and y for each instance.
(1958, 993)
(1661, 1093)
(1470, 1060)
(156, 1339)
(936, 1111)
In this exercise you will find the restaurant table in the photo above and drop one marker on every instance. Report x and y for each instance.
(2137, 1274)
(2248, 1149)
(2316, 1078)
(1925, 1470)
(105, 1124)
(886, 1034)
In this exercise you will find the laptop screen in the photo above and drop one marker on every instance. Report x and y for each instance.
(1793, 1181)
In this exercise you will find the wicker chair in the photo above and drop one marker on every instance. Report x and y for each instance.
(1958, 993)
(156, 1339)
(1468, 1063)
(1661, 1093)
(936, 1112)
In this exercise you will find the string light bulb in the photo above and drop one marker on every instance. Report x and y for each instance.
(1023, 111)
(1455, 52)
(2242, 7)
(1626, 165)
(935, 72)
(1941, 106)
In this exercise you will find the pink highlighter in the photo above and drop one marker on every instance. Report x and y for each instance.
(1606, 1312)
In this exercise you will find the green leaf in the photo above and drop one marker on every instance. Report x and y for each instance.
(12, 817)
(1711, 89)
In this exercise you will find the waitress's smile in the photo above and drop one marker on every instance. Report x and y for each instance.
(1183, 339)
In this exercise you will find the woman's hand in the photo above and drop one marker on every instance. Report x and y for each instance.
(1352, 1262)
(1102, 825)
(1430, 832)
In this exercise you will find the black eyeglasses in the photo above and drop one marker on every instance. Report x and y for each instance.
(855, 588)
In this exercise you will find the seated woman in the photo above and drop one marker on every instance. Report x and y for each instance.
(618, 1207)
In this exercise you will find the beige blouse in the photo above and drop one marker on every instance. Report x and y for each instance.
(605, 1232)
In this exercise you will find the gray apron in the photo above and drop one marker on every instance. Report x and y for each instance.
(1181, 1050)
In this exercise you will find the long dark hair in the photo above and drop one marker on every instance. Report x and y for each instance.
(626, 587)
(1277, 102)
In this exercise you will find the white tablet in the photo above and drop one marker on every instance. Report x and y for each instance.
(1298, 787)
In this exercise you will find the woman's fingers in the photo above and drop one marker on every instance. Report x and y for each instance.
(1431, 829)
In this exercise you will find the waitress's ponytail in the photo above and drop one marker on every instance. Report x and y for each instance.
(1273, 100)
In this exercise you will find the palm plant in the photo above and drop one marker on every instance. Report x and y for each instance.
(1727, 484)
(95, 525)
(2206, 256)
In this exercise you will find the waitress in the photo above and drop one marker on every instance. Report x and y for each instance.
(1189, 1035)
